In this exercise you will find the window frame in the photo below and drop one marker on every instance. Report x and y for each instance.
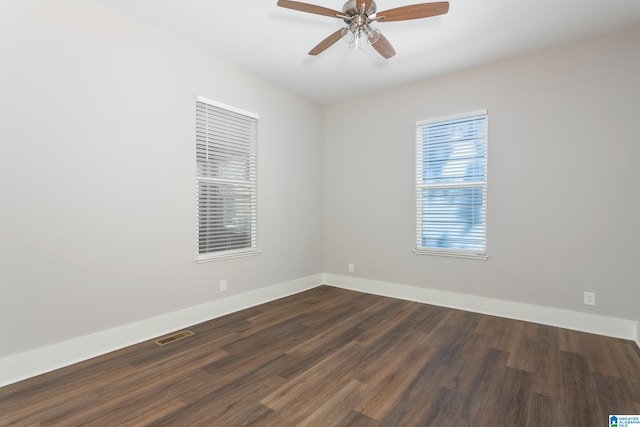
(250, 183)
(420, 186)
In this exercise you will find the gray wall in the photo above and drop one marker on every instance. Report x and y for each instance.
(562, 186)
(97, 174)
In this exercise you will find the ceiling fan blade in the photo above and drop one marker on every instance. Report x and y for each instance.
(310, 8)
(414, 11)
(383, 47)
(324, 44)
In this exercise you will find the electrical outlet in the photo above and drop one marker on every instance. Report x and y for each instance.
(351, 268)
(590, 298)
(223, 286)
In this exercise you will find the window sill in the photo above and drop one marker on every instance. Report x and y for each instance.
(453, 254)
(227, 255)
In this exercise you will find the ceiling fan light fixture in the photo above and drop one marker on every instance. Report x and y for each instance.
(373, 34)
(357, 37)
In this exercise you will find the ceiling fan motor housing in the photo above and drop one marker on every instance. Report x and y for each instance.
(350, 8)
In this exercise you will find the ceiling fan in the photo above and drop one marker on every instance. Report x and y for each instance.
(359, 14)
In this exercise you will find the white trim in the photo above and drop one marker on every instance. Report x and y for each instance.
(227, 107)
(421, 186)
(213, 256)
(575, 320)
(451, 253)
(452, 117)
(240, 137)
(40, 360)
(638, 334)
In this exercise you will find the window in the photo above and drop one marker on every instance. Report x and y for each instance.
(226, 175)
(451, 186)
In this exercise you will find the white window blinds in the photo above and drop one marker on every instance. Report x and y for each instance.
(451, 185)
(226, 176)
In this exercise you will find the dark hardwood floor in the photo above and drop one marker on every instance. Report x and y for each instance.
(332, 357)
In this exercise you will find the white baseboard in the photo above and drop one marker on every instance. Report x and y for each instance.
(38, 361)
(575, 320)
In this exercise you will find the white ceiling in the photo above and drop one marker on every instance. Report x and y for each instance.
(273, 42)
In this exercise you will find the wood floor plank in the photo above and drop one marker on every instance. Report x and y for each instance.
(390, 323)
(415, 403)
(335, 357)
(385, 308)
(544, 410)
(537, 353)
(136, 416)
(581, 402)
(428, 317)
(506, 335)
(336, 335)
(549, 361)
(283, 313)
(79, 378)
(388, 384)
(347, 329)
(527, 351)
(339, 407)
(312, 383)
(340, 305)
(255, 415)
(572, 341)
(483, 395)
(539, 410)
(599, 357)
(229, 401)
(47, 411)
(515, 392)
(627, 357)
(385, 360)
(460, 376)
(614, 393)
(146, 389)
(452, 329)
(445, 409)
(281, 336)
(236, 367)
(356, 419)
(41, 403)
